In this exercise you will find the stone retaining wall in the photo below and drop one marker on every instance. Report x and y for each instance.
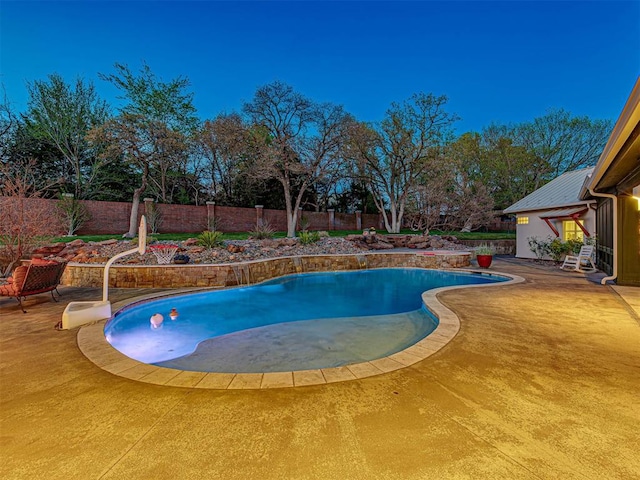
(225, 275)
(500, 247)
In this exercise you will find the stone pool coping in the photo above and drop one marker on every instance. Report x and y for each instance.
(94, 346)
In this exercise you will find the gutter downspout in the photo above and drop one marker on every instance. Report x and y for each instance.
(615, 233)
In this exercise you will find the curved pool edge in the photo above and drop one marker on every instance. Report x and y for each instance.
(94, 346)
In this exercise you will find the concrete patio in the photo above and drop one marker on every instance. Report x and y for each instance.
(542, 382)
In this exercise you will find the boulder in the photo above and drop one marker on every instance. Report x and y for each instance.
(235, 248)
(189, 242)
(50, 249)
(436, 242)
(111, 241)
(78, 242)
(380, 246)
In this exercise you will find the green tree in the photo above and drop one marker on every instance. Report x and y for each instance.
(62, 115)
(138, 141)
(508, 169)
(564, 142)
(152, 131)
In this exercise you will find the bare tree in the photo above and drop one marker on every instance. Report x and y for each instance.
(393, 155)
(300, 141)
(224, 142)
(25, 223)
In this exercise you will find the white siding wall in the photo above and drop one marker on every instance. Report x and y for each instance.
(537, 227)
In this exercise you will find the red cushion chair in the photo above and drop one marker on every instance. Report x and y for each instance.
(33, 279)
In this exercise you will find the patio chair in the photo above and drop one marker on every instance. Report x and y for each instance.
(583, 262)
(39, 277)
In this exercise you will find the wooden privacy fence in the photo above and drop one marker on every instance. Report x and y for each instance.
(113, 217)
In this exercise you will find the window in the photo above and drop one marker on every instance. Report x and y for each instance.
(571, 230)
(523, 220)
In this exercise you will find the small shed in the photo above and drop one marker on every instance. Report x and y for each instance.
(554, 210)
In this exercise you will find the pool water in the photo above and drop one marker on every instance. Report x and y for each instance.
(296, 322)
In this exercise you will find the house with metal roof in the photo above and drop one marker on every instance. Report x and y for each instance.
(615, 184)
(554, 210)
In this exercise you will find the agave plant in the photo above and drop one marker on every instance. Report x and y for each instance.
(210, 239)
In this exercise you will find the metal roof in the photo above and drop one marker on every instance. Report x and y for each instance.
(561, 192)
(565, 212)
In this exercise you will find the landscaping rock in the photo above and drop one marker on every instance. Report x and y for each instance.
(78, 242)
(111, 241)
(50, 249)
(246, 250)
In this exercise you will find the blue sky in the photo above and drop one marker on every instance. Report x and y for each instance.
(503, 62)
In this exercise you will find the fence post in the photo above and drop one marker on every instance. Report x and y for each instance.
(259, 217)
(211, 216)
(332, 218)
(358, 220)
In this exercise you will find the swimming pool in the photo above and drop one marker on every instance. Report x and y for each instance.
(296, 322)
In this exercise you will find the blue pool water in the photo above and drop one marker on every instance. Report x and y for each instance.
(297, 322)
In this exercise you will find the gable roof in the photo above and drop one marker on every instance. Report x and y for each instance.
(561, 192)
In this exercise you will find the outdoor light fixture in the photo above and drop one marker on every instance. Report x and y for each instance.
(636, 194)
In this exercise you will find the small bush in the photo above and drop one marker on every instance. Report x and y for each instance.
(558, 248)
(484, 249)
(154, 217)
(71, 213)
(305, 238)
(262, 232)
(539, 247)
(210, 239)
(304, 223)
(554, 247)
(214, 224)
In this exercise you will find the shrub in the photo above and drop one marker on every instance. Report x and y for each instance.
(261, 232)
(71, 213)
(304, 224)
(305, 238)
(558, 248)
(154, 217)
(554, 247)
(210, 239)
(214, 224)
(484, 249)
(574, 245)
(25, 222)
(539, 247)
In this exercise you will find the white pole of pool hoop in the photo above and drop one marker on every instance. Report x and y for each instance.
(141, 248)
